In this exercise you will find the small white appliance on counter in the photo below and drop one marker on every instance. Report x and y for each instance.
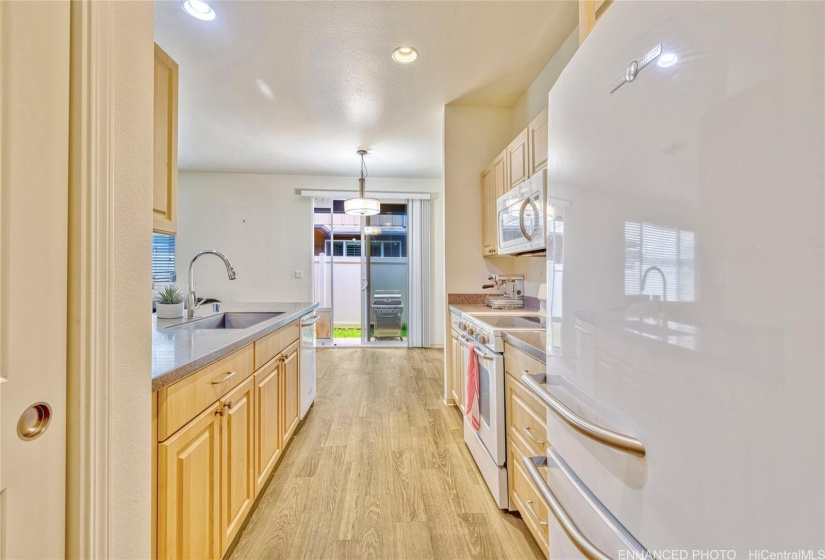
(520, 217)
(307, 362)
(685, 385)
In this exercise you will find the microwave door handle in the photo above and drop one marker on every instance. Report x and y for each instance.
(524, 231)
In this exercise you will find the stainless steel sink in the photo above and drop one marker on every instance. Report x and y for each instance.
(231, 320)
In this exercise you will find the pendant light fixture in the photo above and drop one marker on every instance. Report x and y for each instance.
(362, 206)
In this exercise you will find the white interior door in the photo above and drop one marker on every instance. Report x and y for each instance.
(34, 136)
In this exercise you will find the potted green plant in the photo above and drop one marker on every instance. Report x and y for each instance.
(170, 302)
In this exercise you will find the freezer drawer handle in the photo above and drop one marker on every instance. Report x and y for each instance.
(552, 460)
(599, 433)
(311, 321)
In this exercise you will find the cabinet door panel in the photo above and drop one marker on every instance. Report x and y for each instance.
(237, 459)
(292, 391)
(500, 174)
(517, 160)
(537, 142)
(267, 420)
(165, 182)
(188, 490)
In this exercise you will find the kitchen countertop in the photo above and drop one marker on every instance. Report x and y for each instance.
(531, 343)
(470, 309)
(177, 353)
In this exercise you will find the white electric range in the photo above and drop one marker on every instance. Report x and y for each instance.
(481, 333)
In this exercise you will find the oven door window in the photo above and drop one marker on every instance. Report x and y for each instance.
(484, 397)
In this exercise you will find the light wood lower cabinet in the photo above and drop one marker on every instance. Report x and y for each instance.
(237, 459)
(213, 466)
(189, 466)
(458, 370)
(526, 497)
(526, 437)
(291, 391)
(267, 420)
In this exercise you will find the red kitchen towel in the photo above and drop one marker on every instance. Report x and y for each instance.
(472, 387)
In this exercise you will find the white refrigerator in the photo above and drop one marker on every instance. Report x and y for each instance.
(685, 243)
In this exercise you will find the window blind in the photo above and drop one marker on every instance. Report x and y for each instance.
(163, 258)
(670, 249)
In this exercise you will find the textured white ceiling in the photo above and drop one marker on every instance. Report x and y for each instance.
(298, 87)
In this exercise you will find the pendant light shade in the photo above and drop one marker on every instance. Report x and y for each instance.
(362, 206)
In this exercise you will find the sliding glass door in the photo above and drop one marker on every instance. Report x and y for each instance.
(385, 276)
(361, 275)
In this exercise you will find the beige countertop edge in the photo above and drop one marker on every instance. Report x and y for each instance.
(529, 342)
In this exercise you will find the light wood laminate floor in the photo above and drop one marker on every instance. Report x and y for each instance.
(379, 469)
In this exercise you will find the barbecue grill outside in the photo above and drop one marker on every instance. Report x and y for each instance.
(387, 311)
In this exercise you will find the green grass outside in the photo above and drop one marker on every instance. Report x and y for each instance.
(343, 332)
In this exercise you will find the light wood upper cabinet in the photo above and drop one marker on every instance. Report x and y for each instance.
(189, 500)
(517, 160)
(590, 11)
(165, 181)
(489, 245)
(291, 391)
(237, 459)
(500, 174)
(267, 420)
(537, 143)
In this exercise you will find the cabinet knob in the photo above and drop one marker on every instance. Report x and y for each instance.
(219, 412)
(228, 404)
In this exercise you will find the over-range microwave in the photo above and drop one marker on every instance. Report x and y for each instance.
(520, 217)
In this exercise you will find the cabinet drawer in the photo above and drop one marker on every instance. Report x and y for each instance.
(524, 422)
(527, 499)
(274, 343)
(180, 402)
(516, 388)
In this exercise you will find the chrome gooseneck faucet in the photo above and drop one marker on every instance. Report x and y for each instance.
(192, 298)
(664, 281)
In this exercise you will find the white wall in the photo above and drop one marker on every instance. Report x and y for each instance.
(534, 99)
(266, 231)
(473, 136)
(130, 430)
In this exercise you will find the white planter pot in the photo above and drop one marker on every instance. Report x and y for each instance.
(170, 310)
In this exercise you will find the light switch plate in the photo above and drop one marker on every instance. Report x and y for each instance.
(299, 274)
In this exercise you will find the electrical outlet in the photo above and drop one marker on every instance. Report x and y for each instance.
(299, 274)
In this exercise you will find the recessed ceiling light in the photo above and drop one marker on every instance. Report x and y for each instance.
(199, 9)
(404, 54)
(667, 60)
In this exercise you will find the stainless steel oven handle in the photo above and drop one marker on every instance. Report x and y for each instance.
(311, 321)
(478, 353)
(599, 433)
(591, 550)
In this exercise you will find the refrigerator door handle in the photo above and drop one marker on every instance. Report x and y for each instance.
(308, 323)
(599, 433)
(554, 461)
(591, 550)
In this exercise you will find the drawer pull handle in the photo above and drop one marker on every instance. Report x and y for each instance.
(529, 504)
(529, 433)
(226, 377)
